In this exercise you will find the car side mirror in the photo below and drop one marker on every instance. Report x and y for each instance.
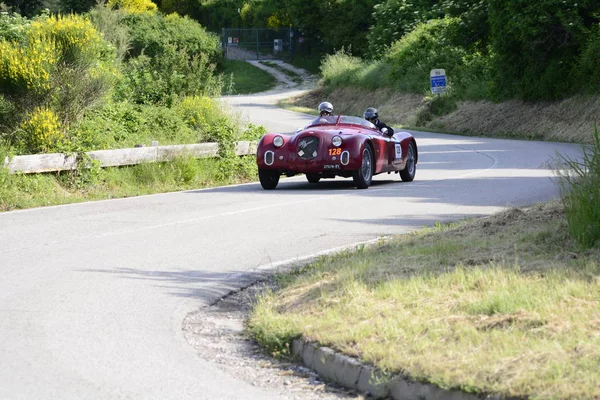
(384, 131)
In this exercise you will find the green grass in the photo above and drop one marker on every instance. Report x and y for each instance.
(21, 191)
(246, 78)
(505, 304)
(310, 62)
(581, 193)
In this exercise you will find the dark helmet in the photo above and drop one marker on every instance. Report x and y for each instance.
(371, 114)
(325, 108)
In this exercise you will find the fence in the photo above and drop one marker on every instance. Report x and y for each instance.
(257, 43)
(37, 163)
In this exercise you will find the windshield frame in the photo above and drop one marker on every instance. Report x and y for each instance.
(328, 120)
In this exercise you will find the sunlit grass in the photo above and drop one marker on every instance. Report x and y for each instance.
(503, 304)
(25, 191)
(246, 78)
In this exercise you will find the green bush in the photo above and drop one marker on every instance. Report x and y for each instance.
(110, 23)
(536, 45)
(12, 27)
(193, 120)
(170, 57)
(253, 132)
(587, 73)
(435, 106)
(8, 117)
(407, 66)
(395, 18)
(167, 78)
(581, 194)
(437, 44)
(151, 33)
(122, 124)
(341, 69)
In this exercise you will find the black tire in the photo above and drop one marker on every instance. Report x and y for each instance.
(268, 178)
(363, 177)
(410, 169)
(313, 178)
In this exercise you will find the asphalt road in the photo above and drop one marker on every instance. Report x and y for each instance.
(92, 296)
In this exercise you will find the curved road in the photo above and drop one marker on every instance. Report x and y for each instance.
(92, 296)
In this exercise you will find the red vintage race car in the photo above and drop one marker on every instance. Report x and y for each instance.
(333, 146)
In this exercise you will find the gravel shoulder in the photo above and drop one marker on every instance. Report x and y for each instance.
(217, 334)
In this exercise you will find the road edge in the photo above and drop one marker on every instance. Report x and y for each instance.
(341, 369)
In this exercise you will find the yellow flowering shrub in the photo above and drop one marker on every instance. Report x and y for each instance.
(133, 6)
(75, 37)
(198, 111)
(42, 130)
(62, 62)
(26, 67)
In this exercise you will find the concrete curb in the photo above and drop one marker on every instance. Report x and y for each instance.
(352, 374)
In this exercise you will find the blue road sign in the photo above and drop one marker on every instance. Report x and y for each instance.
(438, 81)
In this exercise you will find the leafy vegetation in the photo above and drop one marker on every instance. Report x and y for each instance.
(581, 194)
(122, 75)
(60, 68)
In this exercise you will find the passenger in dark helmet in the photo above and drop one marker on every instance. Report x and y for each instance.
(372, 115)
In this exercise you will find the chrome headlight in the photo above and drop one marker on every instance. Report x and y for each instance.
(336, 141)
(278, 141)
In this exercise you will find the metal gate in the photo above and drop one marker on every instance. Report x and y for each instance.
(257, 43)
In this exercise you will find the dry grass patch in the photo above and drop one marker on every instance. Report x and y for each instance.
(570, 120)
(394, 108)
(491, 305)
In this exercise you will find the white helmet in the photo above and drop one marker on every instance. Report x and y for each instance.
(326, 107)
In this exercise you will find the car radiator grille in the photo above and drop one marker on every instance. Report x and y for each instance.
(308, 147)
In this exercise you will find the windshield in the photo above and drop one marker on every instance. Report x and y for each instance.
(325, 120)
(344, 119)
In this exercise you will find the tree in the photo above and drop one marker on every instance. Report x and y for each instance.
(536, 45)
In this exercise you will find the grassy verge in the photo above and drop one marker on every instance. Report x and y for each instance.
(506, 304)
(306, 103)
(26, 191)
(246, 78)
(309, 62)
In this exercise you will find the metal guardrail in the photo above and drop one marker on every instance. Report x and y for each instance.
(38, 163)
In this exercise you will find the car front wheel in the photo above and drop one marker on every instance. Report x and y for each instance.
(268, 178)
(363, 177)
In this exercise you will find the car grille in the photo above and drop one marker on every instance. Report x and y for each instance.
(308, 147)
